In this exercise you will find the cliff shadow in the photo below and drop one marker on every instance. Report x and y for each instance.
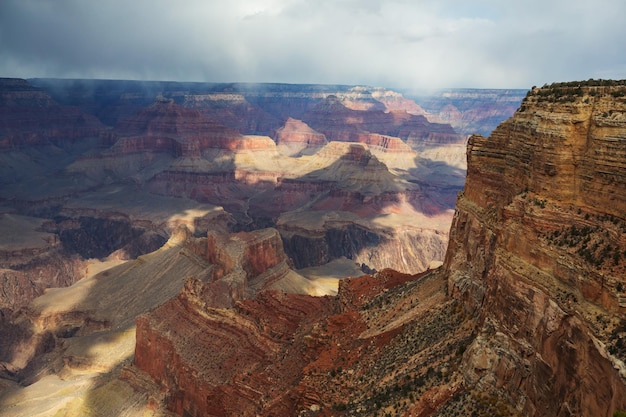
(440, 183)
(357, 208)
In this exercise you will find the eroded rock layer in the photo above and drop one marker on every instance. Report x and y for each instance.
(537, 253)
(30, 117)
(384, 340)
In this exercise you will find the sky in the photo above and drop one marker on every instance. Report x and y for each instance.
(387, 43)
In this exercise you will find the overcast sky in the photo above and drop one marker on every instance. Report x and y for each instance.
(390, 43)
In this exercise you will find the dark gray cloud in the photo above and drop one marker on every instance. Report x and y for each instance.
(395, 43)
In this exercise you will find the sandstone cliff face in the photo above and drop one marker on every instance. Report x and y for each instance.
(536, 252)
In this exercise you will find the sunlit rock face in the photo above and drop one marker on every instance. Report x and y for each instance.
(296, 137)
(536, 253)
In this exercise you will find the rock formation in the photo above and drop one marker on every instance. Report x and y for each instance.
(531, 326)
(536, 253)
(32, 260)
(286, 354)
(340, 123)
(169, 127)
(296, 137)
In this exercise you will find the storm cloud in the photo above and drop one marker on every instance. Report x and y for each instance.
(392, 43)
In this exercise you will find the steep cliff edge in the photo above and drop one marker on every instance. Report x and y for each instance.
(537, 252)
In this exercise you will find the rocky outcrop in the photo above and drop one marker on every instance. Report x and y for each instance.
(232, 373)
(233, 109)
(536, 253)
(166, 126)
(409, 249)
(297, 137)
(32, 260)
(29, 276)
(244, 263)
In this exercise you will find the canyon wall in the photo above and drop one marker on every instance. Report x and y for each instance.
(30, 117)
(537, 253)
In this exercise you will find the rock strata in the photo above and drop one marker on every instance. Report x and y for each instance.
(468, 110)
(536, 253)
(30, 117)
(286, 354)
(297, 137)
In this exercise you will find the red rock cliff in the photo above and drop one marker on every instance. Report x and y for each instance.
(537, 253)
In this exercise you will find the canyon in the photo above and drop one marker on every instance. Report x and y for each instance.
(100, 179)
(525, 315)
(83, 157)
(173, 257)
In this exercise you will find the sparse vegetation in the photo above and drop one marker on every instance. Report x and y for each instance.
(593, 244)
(433, 345)
(477, 404)
(539, 202)
(617, 341)
(567, 92)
